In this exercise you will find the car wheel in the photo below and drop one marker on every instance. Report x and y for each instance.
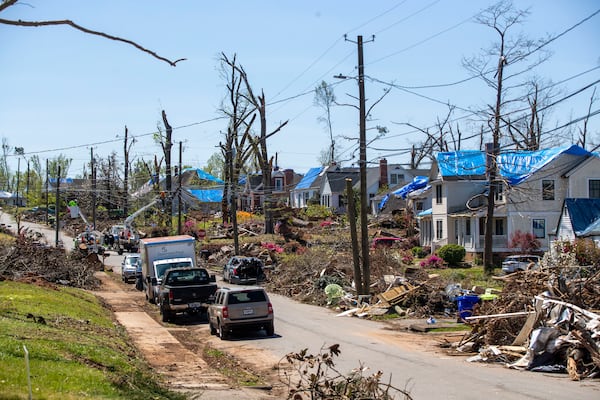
(166, 315)
(213, 330)
(270, 329)
(224, 335)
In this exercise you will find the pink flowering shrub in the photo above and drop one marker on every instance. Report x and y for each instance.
(433, 261)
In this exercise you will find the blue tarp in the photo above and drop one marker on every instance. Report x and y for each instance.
(515, 166)
(204, 175)
(418, 182)
(62, 180)
(208, 195)
(424, 213)
(309, 178)
(584, 215)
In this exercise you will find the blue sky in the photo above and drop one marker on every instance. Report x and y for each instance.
(65, 92)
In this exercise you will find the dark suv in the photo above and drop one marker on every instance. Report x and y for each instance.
(244, 270)
(238, 309)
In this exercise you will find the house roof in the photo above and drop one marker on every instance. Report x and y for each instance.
(585, 216)
(515, 166)
(309, 178)
(337, 180)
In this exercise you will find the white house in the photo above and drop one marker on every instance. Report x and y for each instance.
(529, 197)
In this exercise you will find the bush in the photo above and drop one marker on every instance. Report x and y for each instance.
(433, 261)
(526, 242)
(419, 252)
(453, 254)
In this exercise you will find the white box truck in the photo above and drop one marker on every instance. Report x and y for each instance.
(162, 253)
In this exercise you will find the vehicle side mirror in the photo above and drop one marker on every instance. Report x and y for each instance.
(213, 278)
(153, 281)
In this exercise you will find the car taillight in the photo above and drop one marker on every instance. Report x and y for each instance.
(235, 271)
(170, 295)
(270, 307)
(225, 312)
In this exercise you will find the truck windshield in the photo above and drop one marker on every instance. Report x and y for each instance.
(162, 268)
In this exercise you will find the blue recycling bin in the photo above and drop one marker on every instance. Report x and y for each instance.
(466, 304)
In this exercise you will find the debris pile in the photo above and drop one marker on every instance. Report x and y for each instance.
(542, 321)
(29, 259)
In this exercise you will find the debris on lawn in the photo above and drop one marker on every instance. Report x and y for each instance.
(542, 321)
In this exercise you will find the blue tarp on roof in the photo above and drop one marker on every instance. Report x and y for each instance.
(515, 166)
(208, 195)
(309, 178)
(424, 213)
(418, 182)
(584, 215)
(204, 175)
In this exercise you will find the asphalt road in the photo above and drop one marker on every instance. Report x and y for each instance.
(424, 374)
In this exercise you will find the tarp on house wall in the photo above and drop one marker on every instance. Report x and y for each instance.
(515, 166)
(208, 195)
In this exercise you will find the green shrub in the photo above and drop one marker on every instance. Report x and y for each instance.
(419, 252)
(453, 254)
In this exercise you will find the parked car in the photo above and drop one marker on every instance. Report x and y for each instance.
(244, 270)
(522, 262)
(240, 308)
(185, 290)
(131, 267)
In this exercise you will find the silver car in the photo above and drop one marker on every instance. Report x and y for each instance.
(131, 267)
(240, 308)
(521, 262)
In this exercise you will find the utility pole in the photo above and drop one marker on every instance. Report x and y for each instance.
(57, 209)
(126, 176)
(47, 177)
(93, 189)
(179, 190)
(17, 204)
(364, 198)
(352, 219)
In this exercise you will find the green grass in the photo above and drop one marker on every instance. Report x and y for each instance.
(228, 366)
(75, 349)
(468, 277)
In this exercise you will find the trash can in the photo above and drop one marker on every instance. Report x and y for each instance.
(465, 305)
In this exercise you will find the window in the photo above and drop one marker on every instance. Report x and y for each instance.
(594, 188)
(548, 189)
(438, 229)
(279, 184)
(499, 193)
(438, 194)
(419, 206)
(539, 228)
(468, 227)
(482, 226)
(499, 227)
(396, 178)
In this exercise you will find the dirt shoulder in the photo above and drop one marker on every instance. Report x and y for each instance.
(181, 366)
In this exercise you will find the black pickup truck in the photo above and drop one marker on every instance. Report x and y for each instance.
(186, 290)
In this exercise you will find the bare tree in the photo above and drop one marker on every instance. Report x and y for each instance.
(583, 139)
(509, 52)
(325, 99)
(8, 3)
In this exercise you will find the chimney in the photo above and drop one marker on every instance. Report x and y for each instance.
(383, 172)
(289, 177)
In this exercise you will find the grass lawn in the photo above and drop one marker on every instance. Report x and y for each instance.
(75, 349)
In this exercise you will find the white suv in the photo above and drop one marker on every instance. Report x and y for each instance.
(521, 262)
